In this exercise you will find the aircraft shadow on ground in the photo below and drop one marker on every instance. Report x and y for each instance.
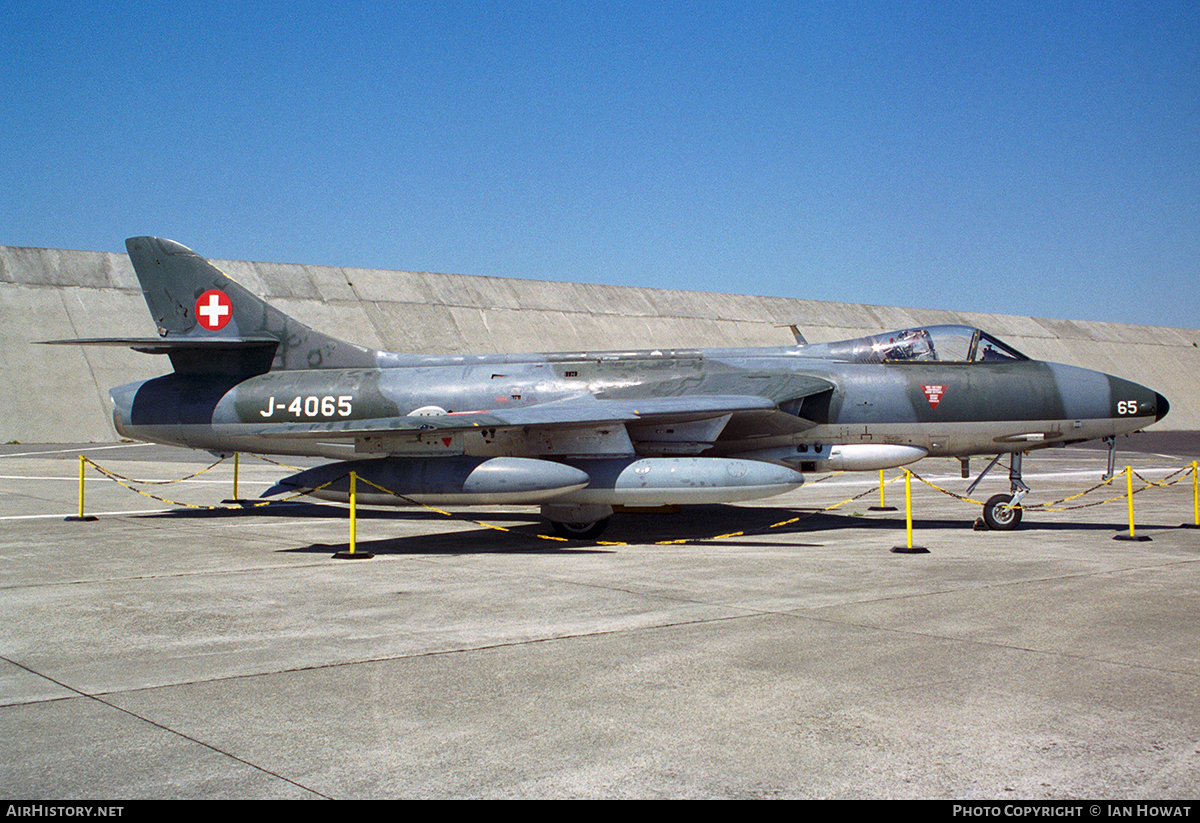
(316, 511)
(714, 524)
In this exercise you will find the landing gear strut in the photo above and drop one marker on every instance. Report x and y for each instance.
(1002, 512)
(1111, 442)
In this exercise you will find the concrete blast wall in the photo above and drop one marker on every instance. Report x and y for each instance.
(60, 394)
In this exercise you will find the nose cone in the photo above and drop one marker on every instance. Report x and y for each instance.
(1134, 402)
(1161, 407)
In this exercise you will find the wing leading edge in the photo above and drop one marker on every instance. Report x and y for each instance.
(576, 412)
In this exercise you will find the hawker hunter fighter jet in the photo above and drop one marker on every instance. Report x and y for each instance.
(578, 433)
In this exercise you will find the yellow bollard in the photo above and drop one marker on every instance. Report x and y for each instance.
(1195, 498)
(353, 512)
(909, 548)
(81, 517)
(908, 504)
(353, 554)
(1195, 524)
(82, 468)
(883, 506)
(235, 500)
(1129, 494)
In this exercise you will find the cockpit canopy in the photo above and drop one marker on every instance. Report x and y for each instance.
(940, 344)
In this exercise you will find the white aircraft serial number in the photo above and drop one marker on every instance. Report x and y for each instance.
(312, 406)
(1127, 407)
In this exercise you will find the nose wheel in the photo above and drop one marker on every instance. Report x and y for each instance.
(1002, 512)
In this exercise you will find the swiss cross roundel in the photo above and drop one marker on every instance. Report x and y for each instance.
(214, 309)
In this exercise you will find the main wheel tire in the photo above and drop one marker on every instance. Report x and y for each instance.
(999, 514)
(582, 531)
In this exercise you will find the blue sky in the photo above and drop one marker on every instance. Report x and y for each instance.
(1021, 158)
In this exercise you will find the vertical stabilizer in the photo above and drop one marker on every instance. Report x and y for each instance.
(190, 299)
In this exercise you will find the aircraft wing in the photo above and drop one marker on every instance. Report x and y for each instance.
(655, 403)
(581, 411)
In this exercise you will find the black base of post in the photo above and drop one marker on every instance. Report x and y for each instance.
(87, 518)
(352, 555)
(909, 550)
(1136, 538)
(881, 509)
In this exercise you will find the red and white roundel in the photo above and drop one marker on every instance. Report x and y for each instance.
(214, 309)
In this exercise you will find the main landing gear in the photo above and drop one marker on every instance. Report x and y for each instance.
(581, 531)
(579, 521)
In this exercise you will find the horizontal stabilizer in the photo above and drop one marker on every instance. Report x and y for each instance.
(210, 324)
(164, 345)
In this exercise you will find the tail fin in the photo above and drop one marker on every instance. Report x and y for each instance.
(207, 322)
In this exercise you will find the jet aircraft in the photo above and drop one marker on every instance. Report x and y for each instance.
(579, 433)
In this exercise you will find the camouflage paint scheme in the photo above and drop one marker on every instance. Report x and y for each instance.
(249, 378)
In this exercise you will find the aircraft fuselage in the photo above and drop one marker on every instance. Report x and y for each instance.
(947, 409)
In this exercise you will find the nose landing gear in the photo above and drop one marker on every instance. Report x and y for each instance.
(1002, 512)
